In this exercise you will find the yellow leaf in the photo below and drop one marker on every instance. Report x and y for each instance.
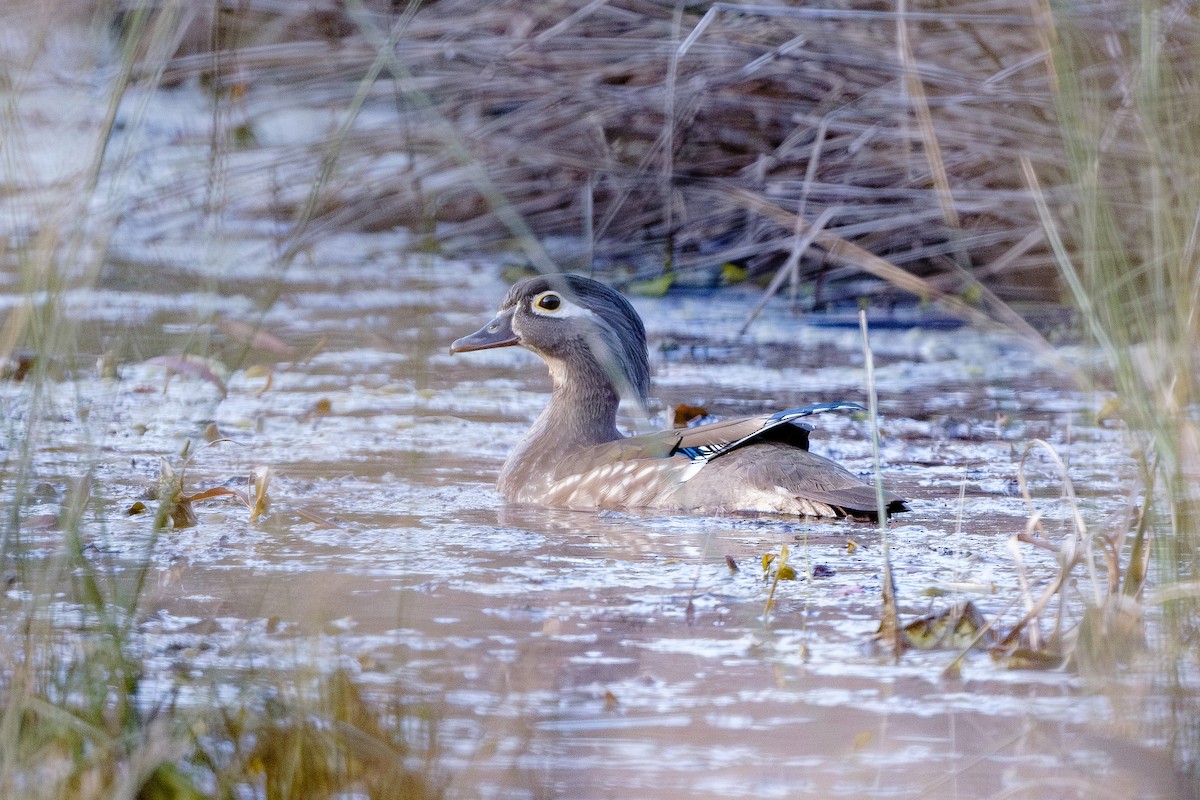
(654, 287)
(732, 273)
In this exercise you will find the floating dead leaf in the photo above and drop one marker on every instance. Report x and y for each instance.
(192, 366)
(211, 433)
(137, 508)
(255, 337)
(18, 365)
(255, 498)
(610, 701)
(729, 562)
(685, 414)
(216, 491)
(321, 408)
(851, 545)
(957, 628)
(785, 573)
(1028, 658)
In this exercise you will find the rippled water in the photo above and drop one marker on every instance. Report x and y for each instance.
(566, 654)
(590, 655)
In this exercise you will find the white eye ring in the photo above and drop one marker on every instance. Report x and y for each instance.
(547, 303)
(565, 307)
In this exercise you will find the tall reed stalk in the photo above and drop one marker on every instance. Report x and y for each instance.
(1133, 147)
(1128, 254)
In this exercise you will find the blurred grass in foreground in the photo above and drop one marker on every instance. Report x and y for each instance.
(1128, 255)
(83, 713)
(729, 161)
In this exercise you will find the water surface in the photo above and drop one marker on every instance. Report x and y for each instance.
(565, 654)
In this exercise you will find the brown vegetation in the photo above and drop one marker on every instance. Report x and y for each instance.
(682, 139)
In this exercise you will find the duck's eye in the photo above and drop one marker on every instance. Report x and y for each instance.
(549, 302)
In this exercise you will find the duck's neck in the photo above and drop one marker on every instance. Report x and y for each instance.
(582, 412)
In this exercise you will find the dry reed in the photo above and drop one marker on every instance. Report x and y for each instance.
(670, 132)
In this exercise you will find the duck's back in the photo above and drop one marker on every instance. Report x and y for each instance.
(778, 478)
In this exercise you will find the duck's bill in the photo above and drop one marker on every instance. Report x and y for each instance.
(497, 333)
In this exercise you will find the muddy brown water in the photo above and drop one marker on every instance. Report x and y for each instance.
(569, 654)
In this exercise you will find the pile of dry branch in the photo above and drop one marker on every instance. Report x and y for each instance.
(683, 136)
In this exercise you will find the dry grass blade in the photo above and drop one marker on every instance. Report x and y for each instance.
(260, 481)
(1111, 624)
(889, 623)
(1068, 554)
(805, 234)
(920, 104)
(255, 498)
(1079, 545)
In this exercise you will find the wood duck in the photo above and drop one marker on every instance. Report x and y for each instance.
(574, 457)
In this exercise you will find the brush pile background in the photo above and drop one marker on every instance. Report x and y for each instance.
(685, 137)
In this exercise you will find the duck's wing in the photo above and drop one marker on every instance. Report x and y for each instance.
(703, 443)
(706, 442)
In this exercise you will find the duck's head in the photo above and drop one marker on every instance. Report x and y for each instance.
(576, 325)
